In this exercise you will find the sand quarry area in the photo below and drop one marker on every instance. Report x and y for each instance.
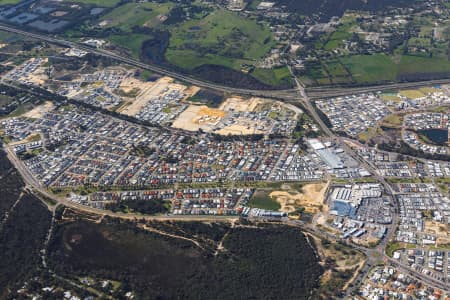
(311, 197)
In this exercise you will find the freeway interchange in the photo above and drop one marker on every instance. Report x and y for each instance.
(297, 95)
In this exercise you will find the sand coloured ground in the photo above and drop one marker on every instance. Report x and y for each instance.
(148, 90)
(237, 129)
(239, 104)
(311, 198)
(39, 111)
(198, 116)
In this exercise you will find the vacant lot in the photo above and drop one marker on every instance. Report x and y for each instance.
(378, 68)
(147, 92)
(240, 104)
(275, 76)
(417, 64)
(39, 110)
(370, 68)
(197, 117)
(311, 198)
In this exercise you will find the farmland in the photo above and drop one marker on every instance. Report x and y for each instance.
(128, 15)
(373, 68)
(378, 68)
(361, 69)
(219, 38)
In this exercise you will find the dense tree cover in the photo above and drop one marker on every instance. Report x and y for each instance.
(22, 229)
(208, 234)
(405, 149)
(322, 116)
(277, 258)
(256, 263)
(142, 151)
(21, 238)
(10, 183)
(208, 97)
(148, 207)
(226, 76)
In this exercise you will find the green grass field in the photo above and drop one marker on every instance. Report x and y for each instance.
(416, 64)
(334, 40)
(101, 3)
(189, 59)
(275, 76)
(135, 14)
(222, 38)
(337, 37)
(5, 2)
(217, 38)
(261, 199)
(371, 68)
(131, 41)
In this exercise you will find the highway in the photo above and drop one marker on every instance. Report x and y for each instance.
(329, 92)
(285, 94)
(289, 95)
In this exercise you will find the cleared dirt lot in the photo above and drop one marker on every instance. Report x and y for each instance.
(238, 129)
(311, 197)
(147, 92)
(442, 232)
(198, 116)
(240, 104)
(39, 110)
(223, 121)
(38, 77)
